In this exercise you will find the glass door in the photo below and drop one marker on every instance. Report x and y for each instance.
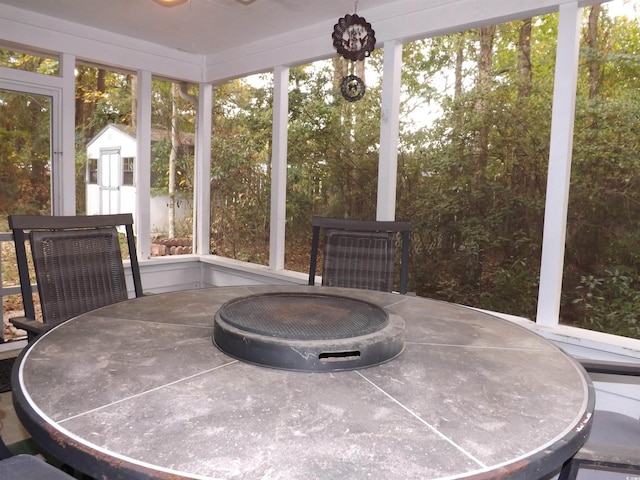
(25, 181)
(25, 154)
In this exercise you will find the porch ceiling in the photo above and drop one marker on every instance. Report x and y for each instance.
(199, 26)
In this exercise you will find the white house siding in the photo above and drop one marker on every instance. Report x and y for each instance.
(111, 139)
(114, 138)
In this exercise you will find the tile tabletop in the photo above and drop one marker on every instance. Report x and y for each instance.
(138, 390)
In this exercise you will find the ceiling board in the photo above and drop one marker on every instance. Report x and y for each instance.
(198, 26)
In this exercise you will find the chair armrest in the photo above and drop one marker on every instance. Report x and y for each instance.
(32, 327)
(29, 325)
(611, 368)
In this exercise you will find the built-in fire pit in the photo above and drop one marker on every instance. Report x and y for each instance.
(307, 331)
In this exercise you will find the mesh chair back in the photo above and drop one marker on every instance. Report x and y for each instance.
(360, 253)
(77, 262)
(77, 271)
(359, 260)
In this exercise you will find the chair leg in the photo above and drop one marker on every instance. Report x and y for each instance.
(4, 450)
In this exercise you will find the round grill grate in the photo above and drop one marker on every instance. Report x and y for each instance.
(307, 331)
(308, 317)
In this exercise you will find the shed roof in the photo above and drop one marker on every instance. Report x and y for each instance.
(157, 134)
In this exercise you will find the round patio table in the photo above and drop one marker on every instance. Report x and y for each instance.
(138, 390)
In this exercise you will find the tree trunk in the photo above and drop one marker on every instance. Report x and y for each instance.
(173, 156)
(39, 160)
(485, 62)
(101, 87)
(595, 68)
(340, 70)
(80, 109)
(85, 109)
(133, 79)
(524, 59)
(458, 112)
(459, 62)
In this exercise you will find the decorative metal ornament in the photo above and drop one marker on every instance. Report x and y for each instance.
(170, 3)
(352, 88)
(353, 37)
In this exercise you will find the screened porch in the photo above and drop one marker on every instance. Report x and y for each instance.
(207, 44)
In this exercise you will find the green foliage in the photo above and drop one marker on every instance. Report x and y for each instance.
(472, 162)
(102, 97)
(603, 233)
(42, 63)
(24, 153)
(240, 170)
(610, 302)
(478, 214)
(332, 156)
(160, 151)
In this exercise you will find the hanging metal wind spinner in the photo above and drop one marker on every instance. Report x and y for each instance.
(354, 39)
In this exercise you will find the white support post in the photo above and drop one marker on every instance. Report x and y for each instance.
(142, 217)
(64, 148)
(279, 167)
(561, 144)
(389, 128)
(202, 172)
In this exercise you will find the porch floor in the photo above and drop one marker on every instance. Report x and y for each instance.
(10, 426)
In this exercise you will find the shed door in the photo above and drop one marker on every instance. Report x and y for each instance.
(109, 178)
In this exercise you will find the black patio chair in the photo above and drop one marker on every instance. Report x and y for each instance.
(360, 253)
(27, 467)
(77, 262)
(612, 450)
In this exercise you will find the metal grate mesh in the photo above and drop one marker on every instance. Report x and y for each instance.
(304, 316)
